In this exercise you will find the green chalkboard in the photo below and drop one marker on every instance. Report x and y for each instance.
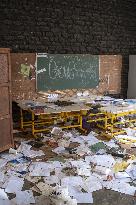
(66, 71)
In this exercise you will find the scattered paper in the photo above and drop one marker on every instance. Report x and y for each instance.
(12, 151)
(91, 139)
(59, 150)
(102, 160)
(91, 184)
(24, 198)
(2, 176)
(13, 185)
(52, 179)
(25, 149)
(111, 144)
(79, 163)
(72, 181)
(10, 157)
(6, 202)
(120, 186)
(121, 175)
(3, 162)
(83, 171)
(40, 169)
(56, 131)
(80, 196)
(3, 195)
(131, 171)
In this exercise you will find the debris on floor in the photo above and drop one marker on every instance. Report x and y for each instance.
(76, 167)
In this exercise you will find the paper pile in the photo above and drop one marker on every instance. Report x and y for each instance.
(88, 165)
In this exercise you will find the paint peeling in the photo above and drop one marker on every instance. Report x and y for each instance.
(25, 70)
(31, 66)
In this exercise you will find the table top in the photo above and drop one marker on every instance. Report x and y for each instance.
(118, 109)
(50, 108)
(108, 105)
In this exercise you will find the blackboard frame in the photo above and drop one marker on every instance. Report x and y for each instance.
(62, 82)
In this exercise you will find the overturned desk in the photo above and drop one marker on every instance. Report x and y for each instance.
(44, 117)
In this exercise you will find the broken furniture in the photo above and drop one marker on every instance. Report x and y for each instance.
(117, 118)
(44, 117)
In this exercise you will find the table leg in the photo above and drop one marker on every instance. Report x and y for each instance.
(21, 119)
(33, 129)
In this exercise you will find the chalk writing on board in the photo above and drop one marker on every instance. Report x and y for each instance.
(41, 70)
(67, 73)
(70, 72)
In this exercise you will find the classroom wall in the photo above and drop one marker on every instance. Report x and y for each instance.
(23, 86)
(70, 26)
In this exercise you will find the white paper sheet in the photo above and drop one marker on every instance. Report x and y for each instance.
(59, 173)
(102, 160)
(3, 162)
(121, 175)
(3, 195)
(2, 176)
(84, 198)
(77, 139)
(131, 171)
(80, 196)
(120, 186)
(10, 157)
(24, 198)
(111, 143)
(52, 179)
(12, 173)
(91, 139)
(56, 131)
(83, 172)
(63, 143)
(127, 137)
(55, 164)
(82, 150)
(25, 149)
(91, 184)
(40, 169)
(59, 150)
(33, 154)
(6, 202)
(130, 131)
(21, 167)
(14, 184)
(79, 163)
(72, 181)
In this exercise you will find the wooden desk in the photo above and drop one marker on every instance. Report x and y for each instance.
(45, 118)
(112, 124)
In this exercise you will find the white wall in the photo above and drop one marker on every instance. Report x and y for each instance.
(132, 77)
